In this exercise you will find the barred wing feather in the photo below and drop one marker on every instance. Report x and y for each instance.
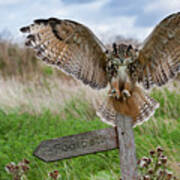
(159, 58)
(71, 47)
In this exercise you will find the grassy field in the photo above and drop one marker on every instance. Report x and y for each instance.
(21, 132)
(39, 103)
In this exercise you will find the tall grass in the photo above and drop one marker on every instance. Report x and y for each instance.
(19, 62)
(16, 60)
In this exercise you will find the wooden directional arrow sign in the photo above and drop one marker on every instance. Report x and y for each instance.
(75, 145)
(95, 141)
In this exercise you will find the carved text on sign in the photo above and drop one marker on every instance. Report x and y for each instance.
(75, 145)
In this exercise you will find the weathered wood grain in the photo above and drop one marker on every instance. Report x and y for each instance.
(127, 152)
(76, 145)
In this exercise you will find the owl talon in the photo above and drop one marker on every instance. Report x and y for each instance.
(113, 91)
(114, 94)
(125, 94)
(117, 96)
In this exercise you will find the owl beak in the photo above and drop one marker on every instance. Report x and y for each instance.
(121, 60)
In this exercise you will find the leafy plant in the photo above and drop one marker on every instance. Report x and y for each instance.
(155, 167)
(18, 171)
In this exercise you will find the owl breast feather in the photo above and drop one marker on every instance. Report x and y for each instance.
(122, 73)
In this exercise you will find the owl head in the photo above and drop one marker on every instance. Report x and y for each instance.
(125, 53)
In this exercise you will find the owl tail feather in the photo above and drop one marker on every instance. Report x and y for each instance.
(139, 106)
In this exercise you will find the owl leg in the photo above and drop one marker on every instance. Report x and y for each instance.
(114, 91)
(124, 94)
(120, 90)
(126, 91)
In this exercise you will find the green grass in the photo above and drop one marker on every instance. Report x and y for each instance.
(20, 133)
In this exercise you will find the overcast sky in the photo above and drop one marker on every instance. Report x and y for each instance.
(129, 18)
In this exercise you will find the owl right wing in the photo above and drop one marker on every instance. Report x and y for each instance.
(159, 58)
(71, 47)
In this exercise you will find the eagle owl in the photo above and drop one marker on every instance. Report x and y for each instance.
(73, 48)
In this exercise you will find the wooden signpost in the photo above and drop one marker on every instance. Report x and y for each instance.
(95, 141)
(76, 145)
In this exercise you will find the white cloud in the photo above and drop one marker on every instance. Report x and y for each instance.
(167, 6)
(104, 26)
(90, 14)
(10, 2)
(83, 10)
(122, 25)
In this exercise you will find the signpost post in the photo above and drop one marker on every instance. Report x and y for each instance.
(127, 150)
(120, 137)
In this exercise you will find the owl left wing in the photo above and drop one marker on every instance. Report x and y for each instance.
(70, 46)
(159, 59)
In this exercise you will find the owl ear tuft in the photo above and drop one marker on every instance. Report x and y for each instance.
(129, 48)
(114, 46)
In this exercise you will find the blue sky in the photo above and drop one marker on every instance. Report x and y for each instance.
(107, 18)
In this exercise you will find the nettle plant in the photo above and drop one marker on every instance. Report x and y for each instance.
(155, 167)
(20, 170)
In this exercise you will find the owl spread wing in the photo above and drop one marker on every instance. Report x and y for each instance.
(71, 47)
(159, 58)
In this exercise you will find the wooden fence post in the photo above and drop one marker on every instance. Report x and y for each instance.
(128, 163)
(120, 137)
